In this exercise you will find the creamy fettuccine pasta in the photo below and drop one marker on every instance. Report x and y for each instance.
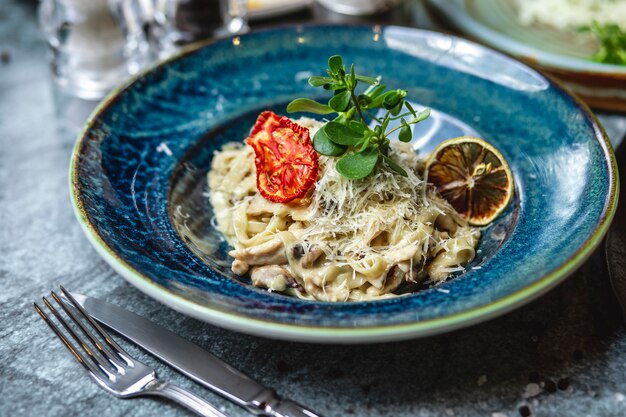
(346, 240)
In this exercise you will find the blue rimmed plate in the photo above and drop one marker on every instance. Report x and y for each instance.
(138, 176)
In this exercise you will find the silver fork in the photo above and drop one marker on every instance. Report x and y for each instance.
(112, 368)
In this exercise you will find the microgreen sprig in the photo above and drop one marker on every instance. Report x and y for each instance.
(361, 145)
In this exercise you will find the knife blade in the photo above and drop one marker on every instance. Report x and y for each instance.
(192, 360)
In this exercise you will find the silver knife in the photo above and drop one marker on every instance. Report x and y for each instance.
(193, 361)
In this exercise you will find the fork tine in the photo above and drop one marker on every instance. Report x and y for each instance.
(136, 380)
(112, 357)
(100, 363)
(110, 342)
(93, 371)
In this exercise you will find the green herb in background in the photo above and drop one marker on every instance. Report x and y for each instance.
(612, 42)
(349, 136)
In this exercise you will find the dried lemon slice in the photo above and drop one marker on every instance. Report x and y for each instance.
(473, 177)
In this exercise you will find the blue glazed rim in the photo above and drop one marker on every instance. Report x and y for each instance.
(330, 333)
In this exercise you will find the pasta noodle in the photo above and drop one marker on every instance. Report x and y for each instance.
(345, 240)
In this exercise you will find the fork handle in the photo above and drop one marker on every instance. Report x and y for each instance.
(183, 397)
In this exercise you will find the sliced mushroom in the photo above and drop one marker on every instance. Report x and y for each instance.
(273, 277)
(311, 257)
(297, 251)
(417, 275)
(271, 252)
(412, 280)
(394, 278)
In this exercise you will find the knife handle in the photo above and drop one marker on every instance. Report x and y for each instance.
(268, 403)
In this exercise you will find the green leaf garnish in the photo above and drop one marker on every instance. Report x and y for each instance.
(385, 122)
(375, 91)
(341, 134)
(364, 100)
(335, 87)
(308, 105)
(357, 126)
(397, 109)
(394, 166)
(365, 139)
(410, 108)
(316, 81)
(392, 99)
(423, 115)
(335, 63)
(379, 101)
(365, 144)
(367, 80)
(340, 101)
(358, 165)
(405, 134)
(324, 146)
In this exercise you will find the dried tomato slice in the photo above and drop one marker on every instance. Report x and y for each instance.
(286, 162)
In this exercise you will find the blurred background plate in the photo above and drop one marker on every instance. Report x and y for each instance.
(564, 54)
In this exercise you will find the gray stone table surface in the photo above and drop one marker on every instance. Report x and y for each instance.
(562, 355)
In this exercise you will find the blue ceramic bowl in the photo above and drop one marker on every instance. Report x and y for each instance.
(138, 176)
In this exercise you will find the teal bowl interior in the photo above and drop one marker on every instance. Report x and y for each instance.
(139, 176)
